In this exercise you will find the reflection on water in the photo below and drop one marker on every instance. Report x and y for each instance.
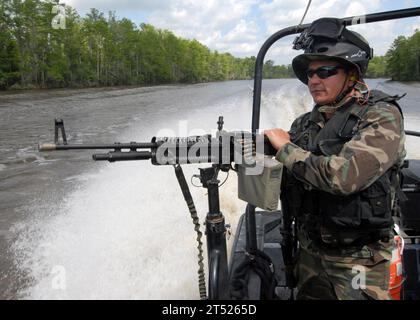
(72, 228)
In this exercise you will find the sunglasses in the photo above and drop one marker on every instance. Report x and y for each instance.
(323, 72)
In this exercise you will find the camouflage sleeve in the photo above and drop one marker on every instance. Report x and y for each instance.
(372, 151)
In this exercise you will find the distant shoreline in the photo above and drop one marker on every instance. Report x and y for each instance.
(412, 83)
(122, 87)
(64, 91)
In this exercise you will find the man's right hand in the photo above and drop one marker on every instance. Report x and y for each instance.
(278, 137)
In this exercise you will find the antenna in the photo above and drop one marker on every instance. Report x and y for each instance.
(306, 11)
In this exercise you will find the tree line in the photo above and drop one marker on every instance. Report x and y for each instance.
(106, 51)
(403, 58)
(401, 62)
(99, 50)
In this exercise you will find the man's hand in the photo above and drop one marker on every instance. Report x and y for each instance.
(277, 137)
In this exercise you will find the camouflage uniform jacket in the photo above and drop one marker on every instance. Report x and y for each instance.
(376, 146)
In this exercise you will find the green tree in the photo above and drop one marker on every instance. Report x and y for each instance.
(9, 57)
(404, 58)
(78, 66)
(95, 30)
(99, 50)
(377, 68)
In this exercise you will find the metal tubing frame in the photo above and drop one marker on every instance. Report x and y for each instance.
(216, 237)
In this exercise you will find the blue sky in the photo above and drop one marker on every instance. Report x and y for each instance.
(241, 26)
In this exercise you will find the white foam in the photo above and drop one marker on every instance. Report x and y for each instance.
(28, 155)
(280, 107)
(124, 233)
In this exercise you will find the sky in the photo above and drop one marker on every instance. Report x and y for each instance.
(240, 27)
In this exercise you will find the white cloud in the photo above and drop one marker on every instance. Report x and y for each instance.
(412, 28)
(282, 52)
(219, 24)
(112, 5)
(187, 14)
(242, 40)
(278, 14)
(379, 35)
(241, 26)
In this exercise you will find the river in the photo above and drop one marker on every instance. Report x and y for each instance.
(71, 228)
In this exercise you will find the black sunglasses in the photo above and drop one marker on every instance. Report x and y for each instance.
(323, 72)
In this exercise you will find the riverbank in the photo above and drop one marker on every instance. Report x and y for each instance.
(410, 83)
(79, 89)
(65, 91)
(390, 81)
(45, 93)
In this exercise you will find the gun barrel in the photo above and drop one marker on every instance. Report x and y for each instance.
(412, 133)
(116, 146)
(123, 156)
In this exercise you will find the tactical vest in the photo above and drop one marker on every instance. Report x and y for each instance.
(361, 215)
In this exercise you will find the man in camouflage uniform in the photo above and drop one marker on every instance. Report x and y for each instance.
(342, 161)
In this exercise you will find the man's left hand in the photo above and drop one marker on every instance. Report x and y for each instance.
(278, 137)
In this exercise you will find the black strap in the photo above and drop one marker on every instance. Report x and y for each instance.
(190, 203)
(271, 225)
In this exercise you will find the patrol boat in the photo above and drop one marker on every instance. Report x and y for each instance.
(262, 255)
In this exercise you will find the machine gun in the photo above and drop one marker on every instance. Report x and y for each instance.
(225, 148)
